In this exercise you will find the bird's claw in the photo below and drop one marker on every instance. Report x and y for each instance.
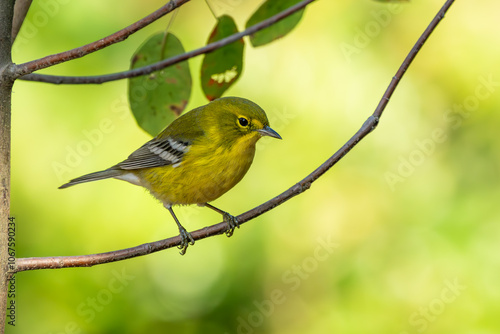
(186, 240)
(231, 222)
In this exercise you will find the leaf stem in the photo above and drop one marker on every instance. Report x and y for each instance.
(211, 9)
(164, 40)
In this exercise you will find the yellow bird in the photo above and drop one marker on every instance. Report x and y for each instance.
(196, 159)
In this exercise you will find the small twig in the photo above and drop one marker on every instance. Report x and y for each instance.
(82, 51)
(165, 35)
(369, 125)
(21, 8)
(211, 9)
(170, 61)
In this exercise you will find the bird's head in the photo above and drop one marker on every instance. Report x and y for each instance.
(238, 117)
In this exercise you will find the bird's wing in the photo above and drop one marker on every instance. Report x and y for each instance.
(157, 152)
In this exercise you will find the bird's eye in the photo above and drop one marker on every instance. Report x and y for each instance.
(243, 121)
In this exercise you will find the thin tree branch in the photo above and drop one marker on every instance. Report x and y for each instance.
(82, 51)
(170, 61)
(21, 8)
(369, 125)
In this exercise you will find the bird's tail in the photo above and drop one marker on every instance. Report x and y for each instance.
(104, 174)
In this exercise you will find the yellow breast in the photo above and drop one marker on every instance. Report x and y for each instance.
(205, 173)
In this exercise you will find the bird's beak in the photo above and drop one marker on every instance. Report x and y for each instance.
(267, 131)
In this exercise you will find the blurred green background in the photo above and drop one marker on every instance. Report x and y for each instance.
(400, 237)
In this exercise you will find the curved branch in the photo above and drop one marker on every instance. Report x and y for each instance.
(370, 124)
(99, 79)
(119, 36)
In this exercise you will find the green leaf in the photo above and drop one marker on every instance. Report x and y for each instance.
(222, 67)
(278, 29)
(158, 98)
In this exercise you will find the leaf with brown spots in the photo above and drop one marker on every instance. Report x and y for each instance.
(158, 98)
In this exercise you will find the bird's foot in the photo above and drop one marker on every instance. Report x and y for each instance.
(231, 222)
(186, 240)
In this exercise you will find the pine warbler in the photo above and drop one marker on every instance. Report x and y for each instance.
(196, 159)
